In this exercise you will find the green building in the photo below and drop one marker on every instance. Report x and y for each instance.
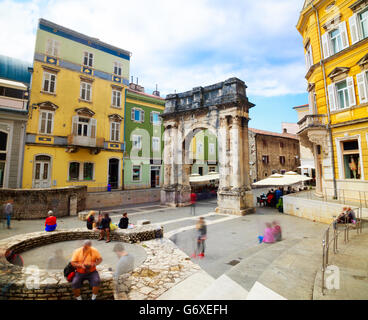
(143, 139)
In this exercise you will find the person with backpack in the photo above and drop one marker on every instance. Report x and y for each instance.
(91, 224)
(85, 260)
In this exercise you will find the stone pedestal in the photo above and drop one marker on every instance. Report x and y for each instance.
(176, 196)
(235, 201)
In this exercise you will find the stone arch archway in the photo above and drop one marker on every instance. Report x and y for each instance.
(222, 108)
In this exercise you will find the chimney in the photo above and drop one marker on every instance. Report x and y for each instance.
(156, 92)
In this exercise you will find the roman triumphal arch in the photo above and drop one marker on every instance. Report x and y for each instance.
(223, 109)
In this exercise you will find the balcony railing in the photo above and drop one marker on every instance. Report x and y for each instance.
(13, 103)
(82, 141)
(312, 121)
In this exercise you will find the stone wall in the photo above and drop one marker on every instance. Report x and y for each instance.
(35, 203)
(98, 200)
(315, 210)
(51, 285)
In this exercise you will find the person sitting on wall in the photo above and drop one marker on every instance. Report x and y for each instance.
(91, 224)
(124, 221)
(50, 223)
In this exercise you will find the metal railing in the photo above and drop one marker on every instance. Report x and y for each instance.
(344, 196)
(331, 237)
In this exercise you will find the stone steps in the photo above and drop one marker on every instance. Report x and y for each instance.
(352, 262)
(247, 272)
(292, 274)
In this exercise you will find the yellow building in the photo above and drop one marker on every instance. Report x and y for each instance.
(75, 131)
(335, 35)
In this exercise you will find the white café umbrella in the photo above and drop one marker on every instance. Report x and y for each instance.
(287, 179)
(275, 179)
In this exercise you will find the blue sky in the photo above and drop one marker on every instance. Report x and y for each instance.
(181, 44)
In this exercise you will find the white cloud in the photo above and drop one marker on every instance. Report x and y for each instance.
(178, 44)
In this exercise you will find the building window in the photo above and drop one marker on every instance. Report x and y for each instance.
(136, 173)
(81, 171)
(86, 91)
(211, 169)
(83, 124)
(155, 118)
(115, 131)
(88, 59)
(118, 68)
(88, 171)
(74, 170)
(363, 21)
(137, 115)
(211, 148)
(264, 143)
(46, 122)
(282, 160)
(155, 144)
(342, 94)
(362, 82)
(116, 98)
(318, 149)
(281, 144)
(265, 159)
(137, 142)
(49, 82)
(52, 47)
(335, 40)
(199, 148)
(351, 159)
(309, 57)
(84, 127)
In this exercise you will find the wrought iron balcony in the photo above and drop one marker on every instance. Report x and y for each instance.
(312, 121)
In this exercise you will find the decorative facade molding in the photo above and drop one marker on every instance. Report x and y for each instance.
(47, 105)
(332, 23)
(363, 62)
(339, 73)
(115, 117)
(48, 68)
(85, 112)
(358, 5)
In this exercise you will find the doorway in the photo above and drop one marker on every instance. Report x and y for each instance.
(155, 176)
(42, 177)
(113, 180)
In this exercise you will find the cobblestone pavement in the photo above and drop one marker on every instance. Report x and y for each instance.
(164, 267)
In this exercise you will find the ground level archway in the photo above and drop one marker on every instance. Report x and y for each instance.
(222, 108)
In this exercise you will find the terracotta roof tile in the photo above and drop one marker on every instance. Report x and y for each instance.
(276, 134)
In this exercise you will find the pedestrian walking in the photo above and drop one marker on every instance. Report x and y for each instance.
(50, 223)
(193, 200)
(85, 260)
(124, 266)
(201, 237)
(57, 260)
(105, 228)
(8, 210)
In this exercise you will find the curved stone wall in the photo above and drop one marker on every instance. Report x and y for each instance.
(18, 283)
